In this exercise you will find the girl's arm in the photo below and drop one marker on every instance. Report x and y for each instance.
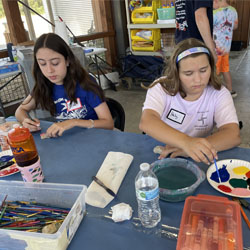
(227, 136)
(105, 121)
(199, 149)
(203, 25)
(22, 114)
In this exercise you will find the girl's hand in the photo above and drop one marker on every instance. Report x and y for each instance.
(172, 151)
(57, 129)
(199, 149)
(33, 125)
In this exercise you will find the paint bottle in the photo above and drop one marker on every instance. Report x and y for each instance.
(147, 194)
(23, 146)
(4, 128)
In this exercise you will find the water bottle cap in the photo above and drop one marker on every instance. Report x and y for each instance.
(144, 166)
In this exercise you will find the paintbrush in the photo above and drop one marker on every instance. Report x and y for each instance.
(94, 178)
(242, 212)
(245, 204)
(215, 163)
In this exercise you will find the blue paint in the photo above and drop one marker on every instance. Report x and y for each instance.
(224, 175)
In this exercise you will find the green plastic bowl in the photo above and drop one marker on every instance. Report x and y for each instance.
(178, 178)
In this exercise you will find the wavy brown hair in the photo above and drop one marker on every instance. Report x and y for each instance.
(171, 83)
(42, 91)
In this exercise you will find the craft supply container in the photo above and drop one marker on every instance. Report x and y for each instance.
(23, 146)
(210, 222)
(58, 195)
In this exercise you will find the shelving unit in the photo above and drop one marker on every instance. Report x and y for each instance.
(130, 26)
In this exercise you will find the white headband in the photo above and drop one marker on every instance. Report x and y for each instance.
(191, 51)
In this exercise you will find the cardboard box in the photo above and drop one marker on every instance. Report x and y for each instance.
(58, 195)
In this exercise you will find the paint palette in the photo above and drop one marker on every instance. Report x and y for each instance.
(13, 169)
(234, 177)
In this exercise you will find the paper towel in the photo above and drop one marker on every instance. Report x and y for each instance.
(111, 173)
(61, 30)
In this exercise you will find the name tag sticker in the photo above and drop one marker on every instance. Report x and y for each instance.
(176, 116)
(74, 105)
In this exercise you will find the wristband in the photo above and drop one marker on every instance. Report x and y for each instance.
(93, 124)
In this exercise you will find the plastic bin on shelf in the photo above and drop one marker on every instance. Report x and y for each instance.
(166, 13)
(155, 34)
(142, 15)
(156, 45)
(155, 5)
(57, 195)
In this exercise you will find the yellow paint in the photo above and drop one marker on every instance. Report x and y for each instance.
(241, 170)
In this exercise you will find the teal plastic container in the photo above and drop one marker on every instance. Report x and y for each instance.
(166, 13)
(178, 178)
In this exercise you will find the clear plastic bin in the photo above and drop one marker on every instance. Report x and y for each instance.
(58, 195)
(210, 222)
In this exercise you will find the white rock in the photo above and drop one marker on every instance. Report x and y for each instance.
(121, 212)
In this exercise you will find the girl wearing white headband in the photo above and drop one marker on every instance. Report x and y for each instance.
(182, 108)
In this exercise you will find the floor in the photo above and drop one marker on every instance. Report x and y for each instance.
(132, 99)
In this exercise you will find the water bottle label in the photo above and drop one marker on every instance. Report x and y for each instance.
(147, 195)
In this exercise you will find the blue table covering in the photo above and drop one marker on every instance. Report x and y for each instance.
(76, 156)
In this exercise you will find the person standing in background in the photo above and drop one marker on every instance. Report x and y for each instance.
(194, 19)
(225, 21)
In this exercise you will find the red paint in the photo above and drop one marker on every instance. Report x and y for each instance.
(248, 174)
(225, 188)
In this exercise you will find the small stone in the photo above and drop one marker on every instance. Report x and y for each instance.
(51, 228)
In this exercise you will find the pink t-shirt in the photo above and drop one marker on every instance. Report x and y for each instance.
(194, 118)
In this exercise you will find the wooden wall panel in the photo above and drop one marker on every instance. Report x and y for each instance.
(243, 31)
(15, 24)
(104, 23)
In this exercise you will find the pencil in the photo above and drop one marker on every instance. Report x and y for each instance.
(245, 217)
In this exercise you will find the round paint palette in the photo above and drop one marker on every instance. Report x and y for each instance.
(234, 177)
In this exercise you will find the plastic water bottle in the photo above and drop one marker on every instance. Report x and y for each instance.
(147, 194)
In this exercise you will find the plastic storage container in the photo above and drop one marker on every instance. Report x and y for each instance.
(155, 34)
(153, 41)
(61, 195)
(147, 194)
(23, 146)
(141, 15)
(166, 13)
(178, 178)
(156, 45)
(210, 222)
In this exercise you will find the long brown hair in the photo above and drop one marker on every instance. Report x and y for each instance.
(42, 91)
(171, 83)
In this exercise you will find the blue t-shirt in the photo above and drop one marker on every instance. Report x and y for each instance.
(82, 109)
(185, 18)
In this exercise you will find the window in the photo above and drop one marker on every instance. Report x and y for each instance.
(77, 14)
